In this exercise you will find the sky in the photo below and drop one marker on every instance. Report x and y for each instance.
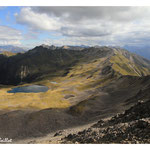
(115, 26)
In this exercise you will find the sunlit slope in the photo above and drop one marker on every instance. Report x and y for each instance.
(103, 72)
(127, 63)
(7, 53)
(33, 101)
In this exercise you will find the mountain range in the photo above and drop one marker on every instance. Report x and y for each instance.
(143, 51)
(48, 61)
(11, 48)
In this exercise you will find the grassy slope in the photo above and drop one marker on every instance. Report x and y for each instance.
(126, 67)
(49, 99)
(120, 64)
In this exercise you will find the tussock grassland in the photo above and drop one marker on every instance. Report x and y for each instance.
(49, 99)
(124, 66)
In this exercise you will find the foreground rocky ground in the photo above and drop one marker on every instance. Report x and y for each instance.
(132, 126)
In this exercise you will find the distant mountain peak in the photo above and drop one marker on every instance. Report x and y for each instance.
(11, 48)
(45, 46)
(65, 47)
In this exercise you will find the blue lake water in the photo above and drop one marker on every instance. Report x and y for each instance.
(29, 89)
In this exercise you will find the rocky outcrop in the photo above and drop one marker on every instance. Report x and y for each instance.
(133, 126)
(24, 71)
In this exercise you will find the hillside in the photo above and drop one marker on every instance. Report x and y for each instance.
(84, 86)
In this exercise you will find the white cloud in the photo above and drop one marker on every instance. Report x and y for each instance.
(37, 20)
(63, 23)
(9, 36)
(89, 25)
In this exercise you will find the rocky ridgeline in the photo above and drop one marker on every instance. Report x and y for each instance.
(133, 126)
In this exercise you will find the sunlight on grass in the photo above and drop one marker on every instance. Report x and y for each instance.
(49, 99)
(125, 67)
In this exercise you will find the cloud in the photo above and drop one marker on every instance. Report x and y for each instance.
(89, 25)
(9, 36)
(66, 20)
(79, 14)
(36, 20)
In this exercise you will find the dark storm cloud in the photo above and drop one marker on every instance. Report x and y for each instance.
(83, 13)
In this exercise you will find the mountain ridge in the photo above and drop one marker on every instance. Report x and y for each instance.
(44, 60)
